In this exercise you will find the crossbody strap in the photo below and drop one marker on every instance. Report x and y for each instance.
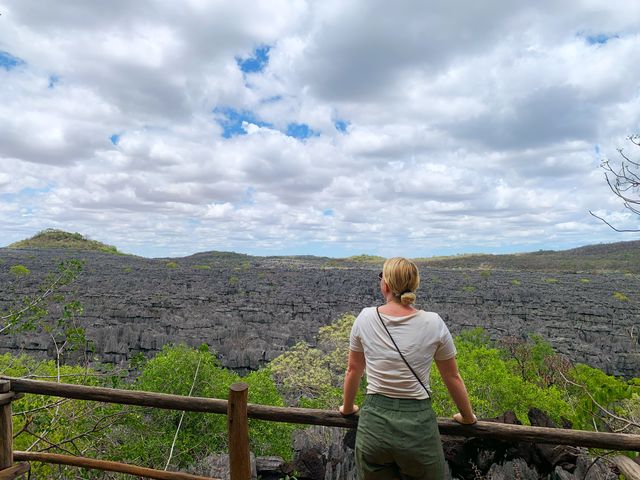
(401, 355)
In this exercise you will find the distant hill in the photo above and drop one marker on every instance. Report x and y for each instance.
(52, 238)
(610, 257)
(623, 257)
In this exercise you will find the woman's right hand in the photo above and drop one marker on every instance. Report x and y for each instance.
(346, 412)
(465, 420)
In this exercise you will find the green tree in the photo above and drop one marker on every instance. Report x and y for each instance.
(495, 385)
(313, 376)
(57, 425)
(151, 436)
(598, 398)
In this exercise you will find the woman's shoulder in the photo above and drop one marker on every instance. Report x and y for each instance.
(430, 316)
(367, 312)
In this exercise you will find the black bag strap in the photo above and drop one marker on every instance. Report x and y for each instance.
(401, 355)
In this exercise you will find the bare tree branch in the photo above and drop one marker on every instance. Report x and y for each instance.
(624, 182)
(604, 410)
(614, 228)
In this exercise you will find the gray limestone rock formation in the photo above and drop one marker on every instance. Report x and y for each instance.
(251, 309)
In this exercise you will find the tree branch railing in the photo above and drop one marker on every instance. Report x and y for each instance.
(238, 410)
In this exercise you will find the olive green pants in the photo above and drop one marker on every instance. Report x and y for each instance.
(398, 439)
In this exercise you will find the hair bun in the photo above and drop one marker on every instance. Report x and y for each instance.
(408, 298)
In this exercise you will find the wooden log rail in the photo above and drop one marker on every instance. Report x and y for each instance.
(238, 411)
(104, 465)
(308, 416)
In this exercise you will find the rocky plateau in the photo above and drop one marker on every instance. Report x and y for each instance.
(251, 309)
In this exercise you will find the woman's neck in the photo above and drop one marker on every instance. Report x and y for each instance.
(396, 309)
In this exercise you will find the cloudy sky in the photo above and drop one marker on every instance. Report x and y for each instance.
(327, 127)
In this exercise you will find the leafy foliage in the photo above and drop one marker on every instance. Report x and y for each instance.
(597, 397)
(149, 433)
(496, 384)
(45, 423)
(313, 376)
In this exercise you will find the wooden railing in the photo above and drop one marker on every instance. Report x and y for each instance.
(238, 411)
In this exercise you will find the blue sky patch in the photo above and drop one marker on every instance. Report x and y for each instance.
(327, 212)
(341, 125)
(300, 130)
(274, 99)
(231, 121)
(115, 138)
(53, 80)
(8, 61)
(257, 62)
(25, 193)
(599, 39)
(248, 196)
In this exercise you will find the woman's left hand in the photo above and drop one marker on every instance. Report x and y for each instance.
(343, 411)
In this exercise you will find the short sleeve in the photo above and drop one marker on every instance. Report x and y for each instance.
(446, 349)
(355, 343)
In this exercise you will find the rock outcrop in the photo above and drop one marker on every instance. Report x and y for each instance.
(251, 309)
(327, 454)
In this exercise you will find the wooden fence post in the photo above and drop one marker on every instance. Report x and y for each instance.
(237, 422)
(6, 425)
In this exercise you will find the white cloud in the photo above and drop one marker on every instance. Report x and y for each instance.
(471, 126)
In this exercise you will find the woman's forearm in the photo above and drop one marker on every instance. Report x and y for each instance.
(351, 384)
(458, 391)
(455, 385)
(355, 370)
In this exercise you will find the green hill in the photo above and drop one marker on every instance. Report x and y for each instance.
(52, 238)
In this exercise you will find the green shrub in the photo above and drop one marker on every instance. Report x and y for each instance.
(620, 296)
(20, 270)
(551, 280)
(171, 264)
(515, 282)
(585, 280)
(202, 267)
(469, 288)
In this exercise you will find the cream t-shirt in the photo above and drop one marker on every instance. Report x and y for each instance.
(421, 337)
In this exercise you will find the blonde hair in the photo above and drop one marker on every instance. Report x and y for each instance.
(402, 278)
